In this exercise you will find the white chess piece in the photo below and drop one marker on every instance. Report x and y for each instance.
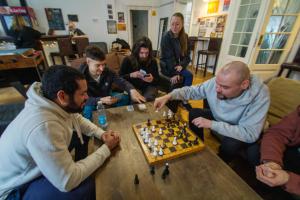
(160, 131)
(164, 114)
(149, 142)
(153, 129)
(154, 152)
(155, 142)
(161, 152)
(142, 132)
(146, 140)
(175, 141)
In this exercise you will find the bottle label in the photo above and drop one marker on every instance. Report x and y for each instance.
(102, 120)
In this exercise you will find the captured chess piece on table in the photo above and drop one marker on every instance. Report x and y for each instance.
(136, 180)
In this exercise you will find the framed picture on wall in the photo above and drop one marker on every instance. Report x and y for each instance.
(111, 26)
(55, 18)
(73, 18)
(121, 17)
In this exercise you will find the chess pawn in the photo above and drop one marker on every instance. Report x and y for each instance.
(142, 132)
(155, 142)
(146, 140)
(161, 152)
(153, 129)
(175, 141)
(154, 152)
(149, 142)
(160, 131)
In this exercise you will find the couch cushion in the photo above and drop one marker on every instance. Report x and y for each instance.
(285, 97)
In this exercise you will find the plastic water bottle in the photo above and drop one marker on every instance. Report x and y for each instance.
(101, 115)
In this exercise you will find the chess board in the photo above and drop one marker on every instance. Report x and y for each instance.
(171, 128)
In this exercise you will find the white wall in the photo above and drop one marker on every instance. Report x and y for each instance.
(92, 16)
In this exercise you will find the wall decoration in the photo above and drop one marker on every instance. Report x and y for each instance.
(212, 26)
(110, 11)
(226, 5)
(55, 18)
(121, 27)
(111, 26)
(73, 18)
(213, 6)
(121, 17)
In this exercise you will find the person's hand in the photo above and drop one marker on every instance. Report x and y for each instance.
(148, 78)
(161, 101)
(271, 177)
(175, 79)
(109, 100)
(201, 122)
(178, 68)
(136, 74)
(111, 139)
(272, 165)
(136, 96)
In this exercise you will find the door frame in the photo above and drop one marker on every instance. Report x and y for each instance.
(224, 57)
(148, 9)
(287, 48)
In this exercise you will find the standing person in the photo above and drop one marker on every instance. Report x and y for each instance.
(141, 70)
(35, 162)
(73, 30)
(238, 103)
(25, 36)
(175, 52)
(100, 79)
(280, 154)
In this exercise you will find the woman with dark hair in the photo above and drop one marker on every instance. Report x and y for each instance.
(175, 52)
(141, 70)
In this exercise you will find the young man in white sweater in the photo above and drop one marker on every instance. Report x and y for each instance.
(35, 162)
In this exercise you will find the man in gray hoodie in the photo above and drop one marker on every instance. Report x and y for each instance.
(238, 105)
(35, 162)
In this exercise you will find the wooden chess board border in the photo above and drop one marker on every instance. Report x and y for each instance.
(166, 157)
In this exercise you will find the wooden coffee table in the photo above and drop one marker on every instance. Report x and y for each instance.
(201, 175)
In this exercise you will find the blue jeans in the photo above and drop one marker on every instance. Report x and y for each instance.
(188, 77)
(41, 188)
(123, 100)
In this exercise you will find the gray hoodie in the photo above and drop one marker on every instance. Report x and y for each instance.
(241, 118)
(36, 142)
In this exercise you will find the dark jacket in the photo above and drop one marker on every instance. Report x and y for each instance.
(78, 32)
(28, 38)
(171, 54)
(275, 141)
(103, 88)
(130, 64)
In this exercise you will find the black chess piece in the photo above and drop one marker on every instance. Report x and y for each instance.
(196, 142)
(148, 122)
(136, 180)
(152, 170)
(167, 171)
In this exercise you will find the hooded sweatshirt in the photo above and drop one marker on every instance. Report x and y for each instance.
(36, 143)
(242, 117)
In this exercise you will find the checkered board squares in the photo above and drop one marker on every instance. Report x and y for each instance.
(171, 128)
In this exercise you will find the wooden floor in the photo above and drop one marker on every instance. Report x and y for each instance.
(10, 95)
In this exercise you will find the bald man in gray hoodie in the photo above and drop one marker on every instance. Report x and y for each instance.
(238, 105)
